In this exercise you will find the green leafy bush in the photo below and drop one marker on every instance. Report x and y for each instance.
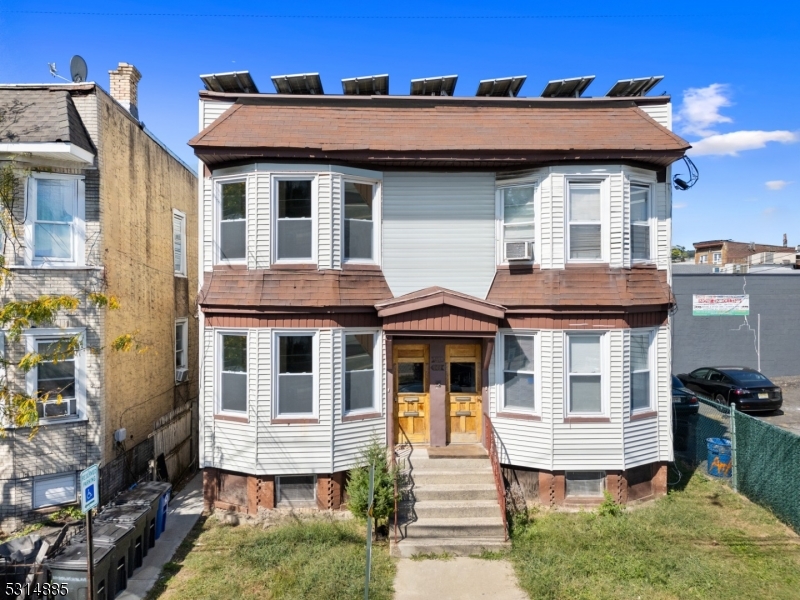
(358, 484)
(609, 508)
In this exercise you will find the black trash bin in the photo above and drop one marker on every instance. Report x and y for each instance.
(68, 568)
(154, 494)
(120, 536)
(137, 517)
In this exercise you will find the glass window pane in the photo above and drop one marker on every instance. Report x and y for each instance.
(585, 483)
(294, 199)
(640, 197)
(462, 377)
(584, 394)
(53, 241)
(294, 239)
(296, 354)
(357, 239)
(640, 350)
(640, 396)
(234, 353)
(584, 353)
(234, 392)
(519, 390)
(57, 378)
(518, 205)
(55, 200)
(411, 378)
(179, 336)
(296, 488)
(518, 352)
(358, 200)
(234, 201)
(358, 390)
(585, 242)
(233, 240)
(640, 241)
(295, 394)
(359, 350)
(520, 233)
(584, 203)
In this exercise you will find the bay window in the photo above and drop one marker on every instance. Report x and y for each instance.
(585, 380)
(359, 372)
(233, 221)
(358, 221)
(294, 221)
(518, 373)
(640, 371)
(584, 210)
(233, 373)
(295, 375)
(640, 222)
(518, 216)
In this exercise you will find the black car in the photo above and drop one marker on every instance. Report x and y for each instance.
(684, 402)
(749, 389)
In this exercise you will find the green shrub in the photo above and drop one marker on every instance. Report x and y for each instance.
(609, 508)
(384, 490)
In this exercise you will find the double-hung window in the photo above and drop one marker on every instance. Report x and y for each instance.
(359, 372)
(179, 242)
(233, 374)
(55, 221)
(585, 379)
(519, 216)
(55, 377)
(518, 373)
(359, 200)
(295, 378)
(640, 222)
(717, 258)
(640, 371)
(295, 220)
(585, 221)
(233, 221)
(181, 349)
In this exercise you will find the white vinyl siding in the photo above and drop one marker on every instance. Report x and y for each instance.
(211, 111)
(54, 490)
(179, 242)
(439, 230)
(660, 113)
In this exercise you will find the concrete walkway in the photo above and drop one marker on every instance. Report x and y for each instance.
(184, 510)
(460, 578)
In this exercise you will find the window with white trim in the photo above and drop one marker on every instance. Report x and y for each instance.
(584, 214)
(518, 214)
(54, 227)
(54, 490)
(232, 373)
(585, 379)
(181, 349)
(703, 259)
(55, 380)
(717, 258)
(640, 371)
(359, 372)
(358, 236)
(294, 389)
(295, 222)
(519, 392)
(179, 242)
(232, 221)
(640, 222)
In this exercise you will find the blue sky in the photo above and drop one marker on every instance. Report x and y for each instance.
(731, 67)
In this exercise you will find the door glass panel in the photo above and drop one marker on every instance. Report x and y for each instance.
(410, 378)
(462, 377)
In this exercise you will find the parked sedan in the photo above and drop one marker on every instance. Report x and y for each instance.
(749, 389)
(684, 402)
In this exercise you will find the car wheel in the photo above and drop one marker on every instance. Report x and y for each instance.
(721, 399)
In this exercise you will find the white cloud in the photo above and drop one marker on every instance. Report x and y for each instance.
(679, 205)
(767, 212)
(776, 185)
(700, 110)
(731, 144)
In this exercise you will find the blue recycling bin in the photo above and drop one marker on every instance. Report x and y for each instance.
(719, 457)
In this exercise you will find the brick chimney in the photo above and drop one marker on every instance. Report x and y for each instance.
(124, 87)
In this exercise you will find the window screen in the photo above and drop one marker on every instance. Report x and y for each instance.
(294, 220)
(55, 378)
(585, 230)
(640, 224)
(233, 221)
(56, 205)
(358, 201)
(518, 373)
(297, 490)
(296, 374)
(519, 214)
(233, 384)
(585, 483)
(359, 375)
(640, 371)
(585, 389)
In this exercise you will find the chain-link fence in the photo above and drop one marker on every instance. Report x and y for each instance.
(763, 461)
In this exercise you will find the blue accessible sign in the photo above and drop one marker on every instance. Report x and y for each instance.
(90, 488)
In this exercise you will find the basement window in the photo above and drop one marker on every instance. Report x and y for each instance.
(585, 483)
(296, 491)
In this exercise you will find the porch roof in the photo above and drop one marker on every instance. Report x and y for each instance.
(436, 296)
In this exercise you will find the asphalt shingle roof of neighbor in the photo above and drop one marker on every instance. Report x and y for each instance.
(41, 116)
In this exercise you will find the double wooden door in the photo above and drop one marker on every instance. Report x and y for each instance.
(463, 400)
(411, 368)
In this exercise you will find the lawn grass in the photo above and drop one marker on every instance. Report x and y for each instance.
(301, 559)
(699, 542)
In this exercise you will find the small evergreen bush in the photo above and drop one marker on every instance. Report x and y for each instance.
(384, 492)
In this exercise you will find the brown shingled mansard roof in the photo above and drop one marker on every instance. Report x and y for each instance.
(447, 132)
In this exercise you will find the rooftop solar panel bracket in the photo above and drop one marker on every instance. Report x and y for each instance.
(634, 87)
(371, 85)
(567, 88)
(504, 86)
(232, 82)
(434, 86)
(300, 83)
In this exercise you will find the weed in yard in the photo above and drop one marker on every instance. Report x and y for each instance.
(432, 556)
(490, 555)
(609, 508)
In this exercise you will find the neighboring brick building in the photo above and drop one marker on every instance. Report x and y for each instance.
(723, 252)
(101, 205)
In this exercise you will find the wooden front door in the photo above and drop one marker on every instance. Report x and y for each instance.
(463, 399)
(412, 400)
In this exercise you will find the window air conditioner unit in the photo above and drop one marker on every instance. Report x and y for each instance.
(181, 375)
(716, 270)
(518, 251)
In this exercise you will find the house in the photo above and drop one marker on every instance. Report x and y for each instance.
(723, 252)
(99, 206)
(413, 268)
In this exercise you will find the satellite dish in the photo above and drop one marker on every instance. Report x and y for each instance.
(77, 68)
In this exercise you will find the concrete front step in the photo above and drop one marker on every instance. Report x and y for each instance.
(428, 477)
(474, 527)
(455, 492)
(455, 546)
(450, 508)
(448, 464)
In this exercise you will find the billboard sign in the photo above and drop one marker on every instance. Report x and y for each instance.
(720, 306)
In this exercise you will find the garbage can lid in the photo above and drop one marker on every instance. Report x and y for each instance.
(108, 532)
(73, 557)
(126, 513)
(718, 441)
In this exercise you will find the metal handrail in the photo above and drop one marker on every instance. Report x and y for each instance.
(491, 448)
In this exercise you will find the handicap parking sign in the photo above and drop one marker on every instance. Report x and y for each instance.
(90, 479)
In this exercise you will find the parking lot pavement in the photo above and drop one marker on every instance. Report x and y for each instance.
(789, 415)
